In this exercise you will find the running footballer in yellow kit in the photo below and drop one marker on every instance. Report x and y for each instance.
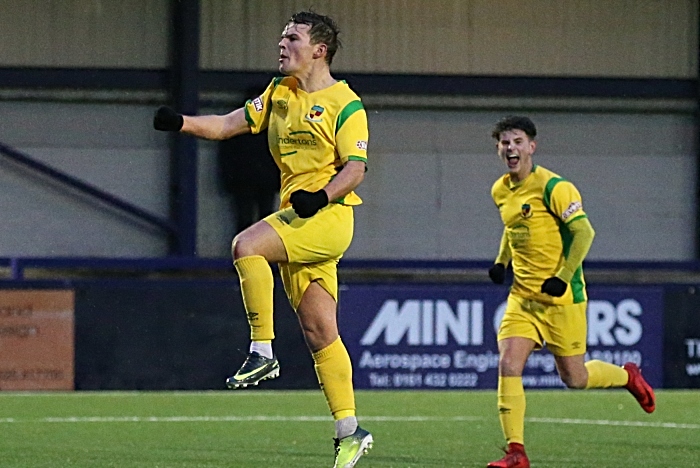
(546, 236)
(317, 134)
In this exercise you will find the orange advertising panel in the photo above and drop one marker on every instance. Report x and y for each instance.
(36, 339)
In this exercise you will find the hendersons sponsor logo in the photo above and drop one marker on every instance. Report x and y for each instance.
(298, 141)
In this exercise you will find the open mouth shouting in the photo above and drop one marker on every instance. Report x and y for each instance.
(512, 160)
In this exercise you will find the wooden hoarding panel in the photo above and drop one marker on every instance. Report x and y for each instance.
(37, 340)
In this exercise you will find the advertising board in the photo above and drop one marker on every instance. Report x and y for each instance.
(36, 339)
(444, 336)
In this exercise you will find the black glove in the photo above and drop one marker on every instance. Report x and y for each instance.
(307, 204)
(554, 286)
(497, 273)
(167, 120)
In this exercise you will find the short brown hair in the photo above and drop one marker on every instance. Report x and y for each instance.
(514, 122)
(323, 31)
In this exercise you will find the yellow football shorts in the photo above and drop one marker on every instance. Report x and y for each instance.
(562, 328)
(314, 245)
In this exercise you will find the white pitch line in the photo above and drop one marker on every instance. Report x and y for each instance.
(158, 419)
(607, 422)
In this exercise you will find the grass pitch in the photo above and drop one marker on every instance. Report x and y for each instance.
(412, 429)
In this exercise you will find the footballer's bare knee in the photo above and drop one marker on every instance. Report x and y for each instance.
(572, 371)
(505, 369)
(259, 239)
(513, 353)
(241, 246)
(317, 338)
(510, 366)
(574, 381)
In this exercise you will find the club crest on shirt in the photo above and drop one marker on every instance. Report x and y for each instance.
(314, 114)
(526, 210)
(282, 104)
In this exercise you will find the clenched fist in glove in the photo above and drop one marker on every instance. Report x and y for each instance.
(307, 204)
(167, 120)
(554, 286)
(497, 273)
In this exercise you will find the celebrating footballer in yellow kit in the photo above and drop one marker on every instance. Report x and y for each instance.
(546, 237)
(317, 134)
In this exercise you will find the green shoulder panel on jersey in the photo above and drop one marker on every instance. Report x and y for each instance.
(277, 80)
(548, 189)
(347, 111)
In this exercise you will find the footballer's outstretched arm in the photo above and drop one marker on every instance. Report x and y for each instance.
(216, 127)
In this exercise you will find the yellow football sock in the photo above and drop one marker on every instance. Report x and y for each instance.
(604, 375)
(334, 371)
(257, 286)
(511, 408)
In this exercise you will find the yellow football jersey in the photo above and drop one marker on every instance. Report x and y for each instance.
(535, 213)
(311, 135)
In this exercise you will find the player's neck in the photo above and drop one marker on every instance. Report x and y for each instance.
(315, 80)
(521, 175)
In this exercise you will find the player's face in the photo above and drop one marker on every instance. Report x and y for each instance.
(515, 149)
(296, 50)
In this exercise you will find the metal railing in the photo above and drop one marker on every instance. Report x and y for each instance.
(92, 191)
(628, 272)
